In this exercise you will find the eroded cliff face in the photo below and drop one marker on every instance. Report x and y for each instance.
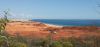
(32, 29)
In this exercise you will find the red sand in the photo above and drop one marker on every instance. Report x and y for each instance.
(31, 29)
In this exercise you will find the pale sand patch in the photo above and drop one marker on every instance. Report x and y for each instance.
(51, 25)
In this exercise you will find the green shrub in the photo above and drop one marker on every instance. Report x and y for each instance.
(67, 44)
(56, 44)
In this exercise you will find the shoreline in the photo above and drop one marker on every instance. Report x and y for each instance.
(52, 25)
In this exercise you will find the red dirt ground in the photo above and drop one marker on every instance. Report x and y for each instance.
(31, 29)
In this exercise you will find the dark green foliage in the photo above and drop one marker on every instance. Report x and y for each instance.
(56, 44)
(67, 44)
(88, 41)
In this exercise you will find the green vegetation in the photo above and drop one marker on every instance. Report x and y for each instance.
(5, 40)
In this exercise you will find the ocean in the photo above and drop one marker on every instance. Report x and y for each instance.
(70, 22)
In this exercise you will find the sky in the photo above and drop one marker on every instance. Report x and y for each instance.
(51, 9)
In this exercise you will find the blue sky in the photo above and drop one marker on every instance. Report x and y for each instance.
(52, 9)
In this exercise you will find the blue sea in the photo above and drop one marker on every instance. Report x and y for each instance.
(70, 22)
